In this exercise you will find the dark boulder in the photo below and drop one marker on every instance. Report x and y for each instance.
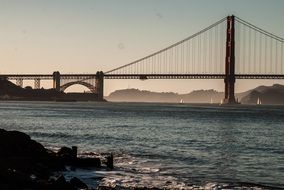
(67, 154)
(109, 161)
(26, 164)
(18, 151)
(60, 180)
(18, 144)
(87, 162)
(14, 179)
(78, 184)
(69, 157)
(61, 184)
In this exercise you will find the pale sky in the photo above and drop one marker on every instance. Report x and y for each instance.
(84, 36)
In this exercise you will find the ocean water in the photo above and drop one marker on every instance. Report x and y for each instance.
(161, 145)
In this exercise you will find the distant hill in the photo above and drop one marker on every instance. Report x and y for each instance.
(267, 94)
(136, 95)
(203, 96)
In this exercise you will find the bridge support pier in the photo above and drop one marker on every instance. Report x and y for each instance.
(56, 80)
(99, 85)
(230, 63)
(37, 83)
(229, 91)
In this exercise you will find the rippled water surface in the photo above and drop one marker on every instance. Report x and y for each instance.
(173, 145)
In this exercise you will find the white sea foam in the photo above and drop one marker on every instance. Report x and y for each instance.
(132, 172)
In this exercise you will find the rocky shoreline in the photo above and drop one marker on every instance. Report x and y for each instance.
(26, 164)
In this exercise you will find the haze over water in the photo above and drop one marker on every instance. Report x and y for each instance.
(171, 144)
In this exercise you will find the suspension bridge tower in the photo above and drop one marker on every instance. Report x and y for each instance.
(230, 62)
(99, 85)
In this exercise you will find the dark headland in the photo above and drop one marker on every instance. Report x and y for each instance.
(10, 91)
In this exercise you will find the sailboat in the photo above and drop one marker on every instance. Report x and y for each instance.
(211, 101)
(221, 102)
(258, 102)
(181, 101)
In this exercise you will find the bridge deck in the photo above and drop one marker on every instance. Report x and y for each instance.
(138, 76)
(189, 76)
(47, 76)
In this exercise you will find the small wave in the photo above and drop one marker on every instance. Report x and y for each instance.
(52, 148)
(149, 170)
(51, 134)
(121, 126)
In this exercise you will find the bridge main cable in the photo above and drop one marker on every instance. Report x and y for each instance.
(259, 29)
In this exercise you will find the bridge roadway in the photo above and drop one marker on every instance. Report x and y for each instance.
(137, 76)
(46, 76)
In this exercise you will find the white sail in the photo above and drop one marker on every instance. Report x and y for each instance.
(258, 101)
(211, 101)
(181, 101)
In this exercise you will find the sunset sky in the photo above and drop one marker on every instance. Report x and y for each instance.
(84, 36)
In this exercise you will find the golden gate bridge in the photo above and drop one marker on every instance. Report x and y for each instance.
(229, 49)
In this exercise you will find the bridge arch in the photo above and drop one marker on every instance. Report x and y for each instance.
(88, 85)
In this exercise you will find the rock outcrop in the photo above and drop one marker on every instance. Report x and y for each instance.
(26, 164)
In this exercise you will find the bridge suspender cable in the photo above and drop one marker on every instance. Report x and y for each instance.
(171, 46)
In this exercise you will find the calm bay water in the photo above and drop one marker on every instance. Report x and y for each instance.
(163, 145)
